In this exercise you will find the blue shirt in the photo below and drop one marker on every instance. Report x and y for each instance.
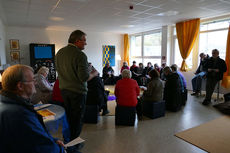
(22, 130)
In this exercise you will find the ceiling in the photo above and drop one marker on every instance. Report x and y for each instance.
(107, 15)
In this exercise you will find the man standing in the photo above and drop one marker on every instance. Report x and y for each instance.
(200, 73)
(21, 128)
(73, 73)
(216, 68)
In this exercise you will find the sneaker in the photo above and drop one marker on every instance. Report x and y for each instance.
(206, 102)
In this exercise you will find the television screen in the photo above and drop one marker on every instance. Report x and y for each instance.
(42, 52)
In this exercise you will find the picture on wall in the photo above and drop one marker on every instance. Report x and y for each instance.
(108, 55)
(15, 55)
(14, 44)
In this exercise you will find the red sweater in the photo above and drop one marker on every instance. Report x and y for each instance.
(126, 91)
(57, 92)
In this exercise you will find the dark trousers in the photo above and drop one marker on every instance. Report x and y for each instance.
(74, 104)
(210, 87)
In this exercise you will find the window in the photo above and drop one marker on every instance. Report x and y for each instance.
(146, 47)
(214, 36)
(136, 46)
(152, 44)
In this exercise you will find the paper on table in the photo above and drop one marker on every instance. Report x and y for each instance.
(74, 142)
(41, 106)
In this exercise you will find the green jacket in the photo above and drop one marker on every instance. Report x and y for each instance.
(72, 67)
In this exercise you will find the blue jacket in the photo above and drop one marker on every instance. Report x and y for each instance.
(21, 129)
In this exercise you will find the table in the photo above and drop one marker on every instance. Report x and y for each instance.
(59, 120)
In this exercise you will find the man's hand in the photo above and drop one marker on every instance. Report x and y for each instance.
(60, 143)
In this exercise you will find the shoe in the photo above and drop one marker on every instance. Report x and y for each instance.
(105, 112)
(206, 102)
(195, 94)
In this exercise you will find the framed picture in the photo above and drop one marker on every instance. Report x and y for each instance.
(15, 55)
(14, 44)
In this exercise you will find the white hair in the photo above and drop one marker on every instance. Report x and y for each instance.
(126, 73)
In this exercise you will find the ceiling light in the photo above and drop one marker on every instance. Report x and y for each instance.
(56, 18)
(127, 26)
(168, 13)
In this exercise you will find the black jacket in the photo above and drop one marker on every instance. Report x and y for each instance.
(220, 64)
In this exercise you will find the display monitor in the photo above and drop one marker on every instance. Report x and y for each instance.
(42, 52)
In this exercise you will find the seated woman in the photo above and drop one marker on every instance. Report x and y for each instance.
(126, 90)
(43, 87)
(125, 66)
(154, 91)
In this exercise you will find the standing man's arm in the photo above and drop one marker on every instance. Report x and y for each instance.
(83, 71)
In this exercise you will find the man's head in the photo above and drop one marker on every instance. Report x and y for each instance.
(107, 64)
(78, 38)
(141, 65)
(174, 67)
(215, 53)
(19, 79)
(167, 70)
(156, 66)
(202, 55)
(134, 62)
(149, 64)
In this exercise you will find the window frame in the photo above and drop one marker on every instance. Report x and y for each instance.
(142, 57)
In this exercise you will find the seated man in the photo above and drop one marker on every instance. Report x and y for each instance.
(172, 90)
(183, 83)
(96, 94)
(133, 69)
(216, 68)
(108, 75)
(21, 128)
(200, 73)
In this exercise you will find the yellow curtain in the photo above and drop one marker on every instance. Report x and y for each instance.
(187, 32)
(226, 78)
(126, 48)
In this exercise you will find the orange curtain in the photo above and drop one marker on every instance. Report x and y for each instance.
(126, 48)
(187, 32)
(226, 78)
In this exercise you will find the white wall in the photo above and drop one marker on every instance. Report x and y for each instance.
(2, 44)
(38, 35)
